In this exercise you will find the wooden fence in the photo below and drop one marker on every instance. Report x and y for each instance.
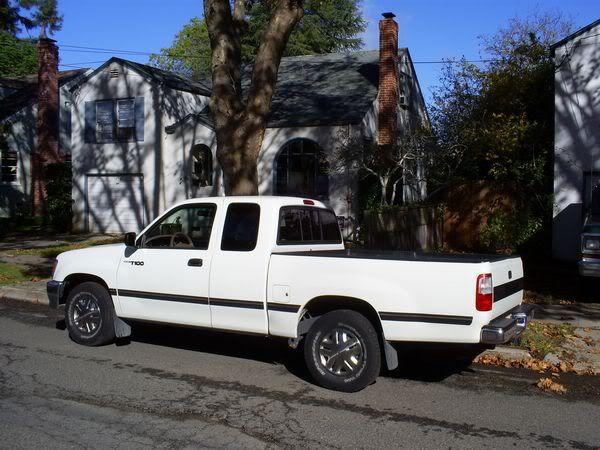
(410, 228)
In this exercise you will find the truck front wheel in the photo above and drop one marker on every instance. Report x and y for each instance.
(342, 351)
(89, 315)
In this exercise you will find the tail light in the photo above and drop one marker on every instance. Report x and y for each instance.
(484, 292)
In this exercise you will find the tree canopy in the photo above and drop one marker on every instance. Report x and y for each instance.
(327, 26)
(502, 113)
(19, 56)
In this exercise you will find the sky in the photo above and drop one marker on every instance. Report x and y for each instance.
(431, 29)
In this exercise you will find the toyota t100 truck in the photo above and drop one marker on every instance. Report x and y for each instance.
(277, 266)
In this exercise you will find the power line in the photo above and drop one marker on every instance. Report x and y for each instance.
(101, 50)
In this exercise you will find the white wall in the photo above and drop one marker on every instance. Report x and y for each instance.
(21, 137)
(576, 136)
(158, 157)
(342, 187)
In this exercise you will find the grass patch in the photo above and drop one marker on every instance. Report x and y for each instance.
(541, 338)
(12, 273)
(54, 250)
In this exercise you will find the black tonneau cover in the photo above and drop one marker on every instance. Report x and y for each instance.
(404, 256)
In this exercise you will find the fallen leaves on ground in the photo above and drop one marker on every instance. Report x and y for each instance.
(549, 385)
(534, 364)
(537, 365)
(535, 298)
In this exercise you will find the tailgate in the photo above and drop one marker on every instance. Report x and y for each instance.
(507, 279)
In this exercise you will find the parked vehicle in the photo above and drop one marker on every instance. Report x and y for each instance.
(589, 262)
(277, 266)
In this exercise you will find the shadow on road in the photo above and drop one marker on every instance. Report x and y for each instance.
(420, 362)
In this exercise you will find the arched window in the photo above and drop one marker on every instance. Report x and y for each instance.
(301, 170)
(202, 166)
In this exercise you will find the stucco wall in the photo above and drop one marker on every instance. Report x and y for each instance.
(341, 184)
(577, 135)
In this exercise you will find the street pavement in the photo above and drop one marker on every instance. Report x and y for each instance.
(173, 387)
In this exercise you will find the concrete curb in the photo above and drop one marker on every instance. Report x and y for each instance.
(509, 353)
(31, 291)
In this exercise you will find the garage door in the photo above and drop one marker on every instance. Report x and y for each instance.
(115, 203)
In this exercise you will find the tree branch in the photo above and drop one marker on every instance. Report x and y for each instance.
(284, 18)
(226, 59)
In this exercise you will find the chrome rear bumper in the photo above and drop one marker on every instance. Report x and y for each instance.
(508, 326)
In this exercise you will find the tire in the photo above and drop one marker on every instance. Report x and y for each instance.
(89, 315)
(357, 364)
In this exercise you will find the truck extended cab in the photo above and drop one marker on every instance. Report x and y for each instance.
(277, 266)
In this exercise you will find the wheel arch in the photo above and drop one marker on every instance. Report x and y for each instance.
(75, 279)
(326, 303)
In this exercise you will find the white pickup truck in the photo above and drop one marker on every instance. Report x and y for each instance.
(277, 266)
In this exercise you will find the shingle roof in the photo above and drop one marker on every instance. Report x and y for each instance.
(331, 89)
(27, 91)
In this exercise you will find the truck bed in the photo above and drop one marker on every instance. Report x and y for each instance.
(471, 258)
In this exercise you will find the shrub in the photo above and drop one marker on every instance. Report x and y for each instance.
(58, 189)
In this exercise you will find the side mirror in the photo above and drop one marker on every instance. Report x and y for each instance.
(129, 239)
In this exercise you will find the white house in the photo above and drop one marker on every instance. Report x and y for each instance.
(576, 137)
(143, 138)
(18, 135)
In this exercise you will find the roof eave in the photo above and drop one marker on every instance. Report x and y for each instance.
(574, 34)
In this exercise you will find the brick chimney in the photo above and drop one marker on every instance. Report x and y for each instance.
(388, 81)
(47, 124)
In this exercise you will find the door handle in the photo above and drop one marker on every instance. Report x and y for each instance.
(195, 262)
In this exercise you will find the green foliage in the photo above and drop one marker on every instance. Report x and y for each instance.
(12, 273)
(502, 114)
(327, 26)
(505, 232)
(18, 57)
(190, 53)
(540, 338)
(58, 189)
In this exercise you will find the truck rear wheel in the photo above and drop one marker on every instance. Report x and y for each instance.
(342, 351)
(89, 315)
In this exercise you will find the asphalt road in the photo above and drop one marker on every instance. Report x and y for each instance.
(170, 387)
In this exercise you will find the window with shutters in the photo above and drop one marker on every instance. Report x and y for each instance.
(115, 120)
(8, 166)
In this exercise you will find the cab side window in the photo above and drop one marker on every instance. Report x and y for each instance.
(189, 226)
(240, 231)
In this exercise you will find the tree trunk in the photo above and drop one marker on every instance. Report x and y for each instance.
(383, 180)
(240, 123)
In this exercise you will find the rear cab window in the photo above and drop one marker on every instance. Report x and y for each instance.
(304, 225)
